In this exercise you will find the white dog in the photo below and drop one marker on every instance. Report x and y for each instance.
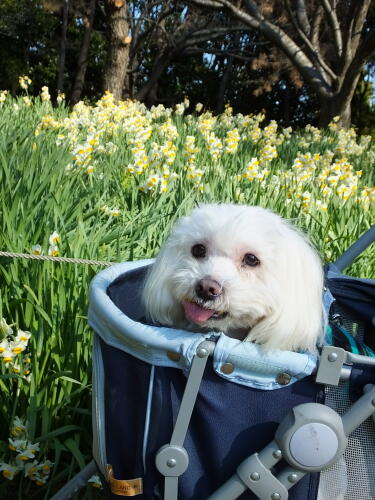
(240, 270)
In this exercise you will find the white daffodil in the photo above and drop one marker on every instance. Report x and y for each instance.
(36, 250)
(40, 480)
(45, 467)
(22, 336)
(53, 250)
(54, 238)
(8, 470)
(17, 444)
(95, 482)
(5, 329)
(31, 469)
(4, 345)
(60, 98)
(45, 95)
(17, 346)
(33, 447)
(7, 355)
(24, 82)
(18, 427)
(25, 455)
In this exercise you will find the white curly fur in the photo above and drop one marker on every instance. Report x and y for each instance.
(277, 303)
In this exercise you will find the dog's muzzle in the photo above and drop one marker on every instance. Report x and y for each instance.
(208, 289)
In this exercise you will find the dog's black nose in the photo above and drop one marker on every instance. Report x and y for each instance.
(208, 289)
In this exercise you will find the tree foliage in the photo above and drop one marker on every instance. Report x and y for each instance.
(295, 59)
(326, 41)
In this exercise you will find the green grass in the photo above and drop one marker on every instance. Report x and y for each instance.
(39, 196)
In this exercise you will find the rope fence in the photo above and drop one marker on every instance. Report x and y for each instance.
(69, 260)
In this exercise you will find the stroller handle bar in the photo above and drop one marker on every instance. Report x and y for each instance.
(356, 249)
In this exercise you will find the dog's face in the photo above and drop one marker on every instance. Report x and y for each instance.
(237, 269)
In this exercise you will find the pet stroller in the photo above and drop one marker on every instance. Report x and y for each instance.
(203, 416)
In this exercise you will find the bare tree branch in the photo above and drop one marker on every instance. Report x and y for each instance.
(223, 53)
(253, 9)
(316, 26)
(208, 3)
(334, 33)
(302, 17)
(353, 36)
(332, 17)
(314, 51)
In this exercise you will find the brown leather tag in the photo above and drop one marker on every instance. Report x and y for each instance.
(124, 487)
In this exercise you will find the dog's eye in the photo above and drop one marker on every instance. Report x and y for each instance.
(251, 260)
(198, 251)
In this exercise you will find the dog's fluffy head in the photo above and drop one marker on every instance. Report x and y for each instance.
(241, 270)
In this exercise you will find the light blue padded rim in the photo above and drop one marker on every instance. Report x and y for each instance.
(252, 366)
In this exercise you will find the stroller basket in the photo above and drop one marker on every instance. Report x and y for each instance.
(203, 416)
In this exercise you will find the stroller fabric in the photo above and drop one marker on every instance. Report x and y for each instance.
(140, 373)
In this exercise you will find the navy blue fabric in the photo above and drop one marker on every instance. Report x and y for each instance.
(358, 297)
(126, 389)
(229, 423)
(360, 376)
(126, 290)
(355, 294)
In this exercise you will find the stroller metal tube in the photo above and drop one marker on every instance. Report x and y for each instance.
(230, 490)
(234, 487)
(76, 483)
(170, 487)
(172, 459)
(356, 249)
(359, 412)
(191, 391)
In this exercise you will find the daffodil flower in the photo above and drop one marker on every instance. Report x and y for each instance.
(40, 480)
(17, 444)
(4, 345)
(54, 238)
(45, 467)
(8, 470)
(5, 329)
(95, 482)
(17, 346)
(36, 250)
(7, 355)
(18, 427)
(31, 468)
(24, 82)
(53, 250)
(45, 95)
(24, 456)
(22, 336)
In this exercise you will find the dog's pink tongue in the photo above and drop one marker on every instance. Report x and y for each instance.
(196, 313)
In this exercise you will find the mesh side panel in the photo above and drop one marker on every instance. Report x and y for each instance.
(349, 322)
(353, 477)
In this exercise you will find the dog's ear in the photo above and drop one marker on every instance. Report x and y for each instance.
(157, 299)
(297, 318)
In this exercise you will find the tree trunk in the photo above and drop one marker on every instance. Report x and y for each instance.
(339, 104)
(224, 82)
(62, 54)
(118, 47)
(82, 58)
(160, 64)
(286, 105)
(330, 65)
(333, 107)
